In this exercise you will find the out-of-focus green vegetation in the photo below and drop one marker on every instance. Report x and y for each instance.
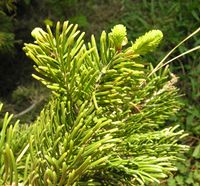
(176, 19)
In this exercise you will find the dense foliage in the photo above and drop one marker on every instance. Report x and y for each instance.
(176, 19)
(103, 123)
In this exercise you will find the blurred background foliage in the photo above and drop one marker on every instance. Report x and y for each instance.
(177, 19)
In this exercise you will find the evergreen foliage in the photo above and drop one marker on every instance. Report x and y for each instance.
(103, 123)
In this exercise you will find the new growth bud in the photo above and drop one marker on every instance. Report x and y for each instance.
(38, 33)
(148, 42)
(118, 36)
